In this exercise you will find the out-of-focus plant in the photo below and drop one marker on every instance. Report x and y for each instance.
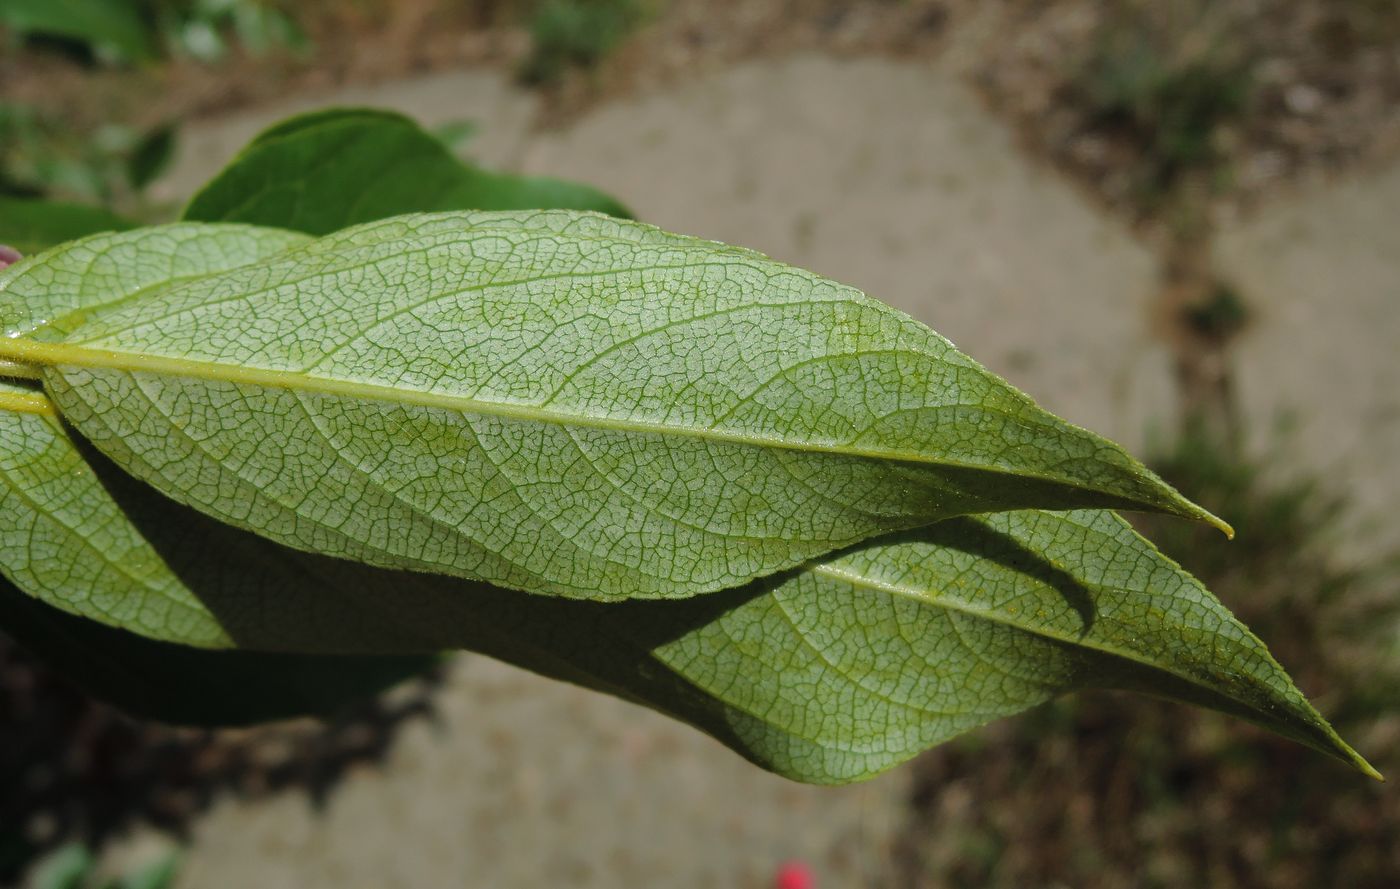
(1171, 77)
(74, 867)
(39, 157)
(140, 30)
(576, 34)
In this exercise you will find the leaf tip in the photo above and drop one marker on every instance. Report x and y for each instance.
(1366, 768)
(1225, 527)
(1201, 514)
(1346, 753)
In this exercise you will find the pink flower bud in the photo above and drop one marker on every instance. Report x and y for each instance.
(9, 256)
(794, 875)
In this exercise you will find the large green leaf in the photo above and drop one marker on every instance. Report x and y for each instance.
(555, 402)
(330, 169)
(31, 225)
(107, 24)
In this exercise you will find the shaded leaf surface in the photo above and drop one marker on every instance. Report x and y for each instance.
(111, 24)
(555, 402)
(327, 170)
(829, 673)
(191, 686)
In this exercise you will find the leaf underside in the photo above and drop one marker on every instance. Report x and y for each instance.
(829, 671)
(555, 402)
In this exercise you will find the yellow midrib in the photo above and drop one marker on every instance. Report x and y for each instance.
(33, 352)
(27, 403)
(1310, 716)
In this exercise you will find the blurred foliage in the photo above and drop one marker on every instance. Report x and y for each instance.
(114, 31)
(1155, 105)
(74, 867)
(30, 225)
(1219, 315)
(1169, 77)
(576, 34)
(1106, 791)
(110, 29)
(40, 156)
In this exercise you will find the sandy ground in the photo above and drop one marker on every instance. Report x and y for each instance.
(892, 177)
(1321, 272)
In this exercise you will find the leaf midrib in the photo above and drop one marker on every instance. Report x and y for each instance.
(60, 355)
(857, 579)
(26, 403)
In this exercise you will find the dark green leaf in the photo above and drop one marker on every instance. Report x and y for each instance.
(151, 156)
(115, 25)
(331, 169)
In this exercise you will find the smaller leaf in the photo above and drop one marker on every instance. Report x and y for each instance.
(334, 168)
(111, 24)
(151, 156)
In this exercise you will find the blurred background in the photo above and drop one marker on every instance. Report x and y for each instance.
(1175, 223)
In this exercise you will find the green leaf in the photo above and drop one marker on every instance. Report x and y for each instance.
(67, 867)
(151, 155)
(330, 169)
(829, 673)
(114, 25)
(555, 402)
(31, 225)
(849, 666)
(64, 539)
(191, 686)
